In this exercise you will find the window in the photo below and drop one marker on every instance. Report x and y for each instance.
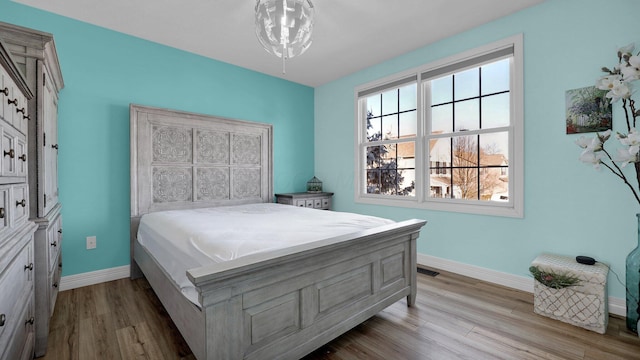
(391, 121)
(446, 136)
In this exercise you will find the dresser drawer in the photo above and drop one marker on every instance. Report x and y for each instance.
(4, 208)
(21, 343)
(14, 206)
(21, 156)
(8, 151)
(54, 239)
(3, 98)
(13, 152)
(16, 283)
(20, 113)
(54, 280)
(19, 204)
(326, 203)
(285, 201)
(7, 89)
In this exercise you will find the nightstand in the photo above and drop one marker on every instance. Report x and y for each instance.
(319, 200)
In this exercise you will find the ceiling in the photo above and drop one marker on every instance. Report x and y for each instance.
(348, 35)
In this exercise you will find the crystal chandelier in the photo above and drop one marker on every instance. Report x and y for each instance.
(284, 27)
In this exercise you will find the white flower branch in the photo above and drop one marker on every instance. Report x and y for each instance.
(619, 84)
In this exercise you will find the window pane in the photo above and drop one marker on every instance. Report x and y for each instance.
(440, 150)
(495, 111)
(408, 124)
(494, 179)
(374, 105)
(388, 156)
(495, 77)
(442, 90)
(388, 180)
(494, 185)
(390, 127)
(465, 151)
(467, 84)
(406, 182)
(442, 119)
(406, 154)
(465, 183)
(374, 156)
(467, 115)
(408, 97)
(373, 182)
(390, 102)
(494, 149)
(374, 131)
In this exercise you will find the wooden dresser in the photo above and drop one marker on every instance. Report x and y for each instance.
(16, 231)
(36, 56)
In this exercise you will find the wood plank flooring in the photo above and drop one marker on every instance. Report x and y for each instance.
(455, 318)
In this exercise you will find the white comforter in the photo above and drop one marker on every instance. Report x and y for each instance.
(184, 239)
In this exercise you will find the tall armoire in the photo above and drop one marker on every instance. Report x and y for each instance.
(16, 231)
(35, 53)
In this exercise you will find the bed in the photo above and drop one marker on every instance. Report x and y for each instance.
(282, 302)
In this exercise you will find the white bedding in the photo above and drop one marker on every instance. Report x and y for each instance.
(180, 240)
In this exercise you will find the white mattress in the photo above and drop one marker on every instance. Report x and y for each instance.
(180, 240)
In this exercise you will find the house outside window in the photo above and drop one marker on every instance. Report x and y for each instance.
(446, 136)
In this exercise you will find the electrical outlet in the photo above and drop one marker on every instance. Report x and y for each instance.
(91, 242)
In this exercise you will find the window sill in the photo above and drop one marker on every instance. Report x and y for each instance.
(479, 208)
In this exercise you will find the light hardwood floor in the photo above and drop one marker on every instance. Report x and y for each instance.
(455, 318)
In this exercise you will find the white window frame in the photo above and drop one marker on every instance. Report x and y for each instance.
(512, 208)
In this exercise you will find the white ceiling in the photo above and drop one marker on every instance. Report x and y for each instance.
(348, 35)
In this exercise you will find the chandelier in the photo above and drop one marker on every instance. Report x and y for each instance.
(284, 27)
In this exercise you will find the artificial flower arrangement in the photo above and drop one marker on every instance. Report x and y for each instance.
(552, 279)
(619, 84)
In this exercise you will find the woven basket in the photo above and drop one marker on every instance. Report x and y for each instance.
(585, 304)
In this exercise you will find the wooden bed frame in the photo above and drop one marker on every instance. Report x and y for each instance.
(277, 304)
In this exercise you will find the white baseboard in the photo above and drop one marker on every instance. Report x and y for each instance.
(93, 277)
(617, 306)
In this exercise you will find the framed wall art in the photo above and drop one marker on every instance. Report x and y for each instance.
(587, 110)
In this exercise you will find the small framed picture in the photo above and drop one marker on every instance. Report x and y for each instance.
(587, 110)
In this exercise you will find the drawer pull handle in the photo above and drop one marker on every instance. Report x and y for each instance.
(5, 91)
(55, 284)
(14, 102)
(55, 146)
(30, 321)
(22, 203)
(3, 317)
(54, 244)
(1, 213)
(60, 265)
(21, 111)
(11, 153)
(30, 267)
(28, 117)
(23, 157)
(59, 231)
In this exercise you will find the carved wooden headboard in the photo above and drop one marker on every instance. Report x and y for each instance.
(183, 160)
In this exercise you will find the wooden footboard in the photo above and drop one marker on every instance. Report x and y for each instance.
(286, 303)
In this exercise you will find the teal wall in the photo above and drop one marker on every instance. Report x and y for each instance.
(105, 71)
(570, 208)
